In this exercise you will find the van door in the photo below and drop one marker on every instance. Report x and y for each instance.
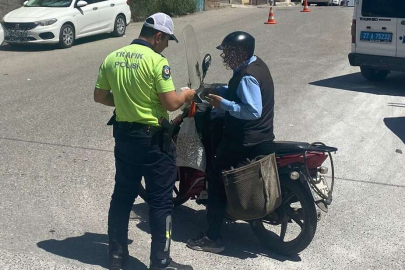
(401, 33)
(376, 27)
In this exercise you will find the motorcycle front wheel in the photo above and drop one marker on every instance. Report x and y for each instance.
(291, 228)
(177, 200)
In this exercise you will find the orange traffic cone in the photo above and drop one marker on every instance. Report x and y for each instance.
(271, 19)
(306, 9)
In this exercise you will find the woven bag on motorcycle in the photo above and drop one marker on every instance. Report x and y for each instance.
(253, 191)
(190, 151)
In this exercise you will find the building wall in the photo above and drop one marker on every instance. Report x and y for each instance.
(8, 5)
(212, 4)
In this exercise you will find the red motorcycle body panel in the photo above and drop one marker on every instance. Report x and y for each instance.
(314, 159)
(192, 181)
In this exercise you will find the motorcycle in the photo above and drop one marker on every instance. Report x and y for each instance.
(303, 178)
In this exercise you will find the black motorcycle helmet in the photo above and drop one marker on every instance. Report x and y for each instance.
(239, 39)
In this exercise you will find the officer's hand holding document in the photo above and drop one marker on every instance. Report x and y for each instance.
(186, 89)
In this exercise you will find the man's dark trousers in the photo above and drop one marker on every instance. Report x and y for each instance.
(228, 154)
(139, 154)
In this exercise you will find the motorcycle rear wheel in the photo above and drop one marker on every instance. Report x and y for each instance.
(297, 211)
(176, 199)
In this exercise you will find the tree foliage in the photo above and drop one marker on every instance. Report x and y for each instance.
(141, 9)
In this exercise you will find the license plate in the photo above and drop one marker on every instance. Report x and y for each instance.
(376, 36)
(15, 35)
(322, 185)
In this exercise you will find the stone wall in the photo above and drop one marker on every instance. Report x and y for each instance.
(210, 4)
(8, 5)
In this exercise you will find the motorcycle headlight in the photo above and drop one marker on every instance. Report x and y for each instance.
(46, 22)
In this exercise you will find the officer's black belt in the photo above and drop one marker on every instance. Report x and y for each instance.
(134, 126)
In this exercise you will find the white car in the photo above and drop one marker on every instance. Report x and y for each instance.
(64, 21)
(378, 37)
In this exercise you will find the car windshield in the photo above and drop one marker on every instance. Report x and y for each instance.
(48, 3)
(384, 8)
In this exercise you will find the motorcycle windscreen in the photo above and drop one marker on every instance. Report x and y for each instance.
(193, 57)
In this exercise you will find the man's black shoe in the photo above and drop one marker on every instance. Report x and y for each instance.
(116, 262)
(203, 243)
(172, 266)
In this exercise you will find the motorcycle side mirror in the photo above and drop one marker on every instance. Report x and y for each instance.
(206, 64)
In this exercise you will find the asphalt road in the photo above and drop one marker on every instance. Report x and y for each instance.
(57, 168)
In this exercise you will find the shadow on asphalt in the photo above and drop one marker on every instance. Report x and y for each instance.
(90, 248)
(391, 86)
(398, 105)
(397, 126)
(240, 242)
(51, 47)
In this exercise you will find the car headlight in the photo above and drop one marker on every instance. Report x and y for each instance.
(46, 22)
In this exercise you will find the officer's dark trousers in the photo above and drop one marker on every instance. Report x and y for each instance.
(228, 154)
(137, 155)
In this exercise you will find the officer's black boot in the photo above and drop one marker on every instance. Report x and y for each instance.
(118, 218)
(117, 262)
(118, 251)
(171, 266)
(160, 260)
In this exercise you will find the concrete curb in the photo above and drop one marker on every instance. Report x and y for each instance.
(278, 5)
(258, 6)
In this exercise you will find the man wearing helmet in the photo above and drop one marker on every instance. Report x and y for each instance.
(248, 102)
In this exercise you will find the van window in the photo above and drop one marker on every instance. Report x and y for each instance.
(383, 8)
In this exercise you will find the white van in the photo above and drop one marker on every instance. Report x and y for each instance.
(1, 35)
(378, 37)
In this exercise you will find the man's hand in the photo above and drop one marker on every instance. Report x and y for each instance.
(214, 100)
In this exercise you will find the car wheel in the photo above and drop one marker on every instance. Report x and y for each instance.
(373, 74)
(66, 36)
(120, 26)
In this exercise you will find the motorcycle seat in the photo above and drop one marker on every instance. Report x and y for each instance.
(289, 147)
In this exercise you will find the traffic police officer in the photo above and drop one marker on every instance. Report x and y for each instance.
(136, 80)
(248, 102)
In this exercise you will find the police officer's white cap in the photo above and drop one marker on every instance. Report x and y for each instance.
(162, 22)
